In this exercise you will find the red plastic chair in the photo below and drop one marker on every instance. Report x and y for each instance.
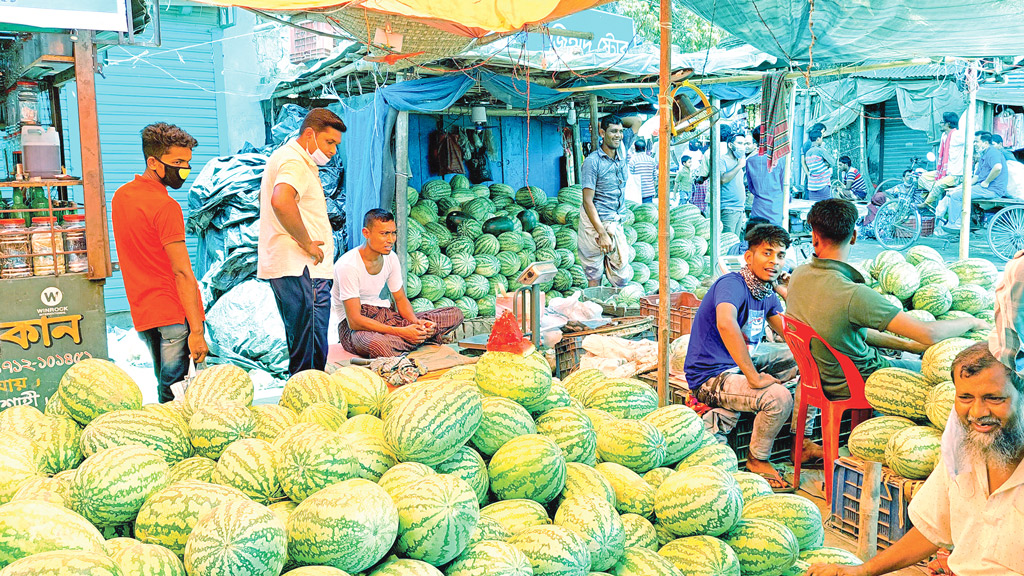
(798, 337)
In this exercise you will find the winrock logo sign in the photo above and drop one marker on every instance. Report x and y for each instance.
(51, 296)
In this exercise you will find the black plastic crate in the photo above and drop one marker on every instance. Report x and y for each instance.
(739, 438)
(893, 518)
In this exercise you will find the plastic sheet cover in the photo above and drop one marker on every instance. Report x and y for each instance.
(246, 329)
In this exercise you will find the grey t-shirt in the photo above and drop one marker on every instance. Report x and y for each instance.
(607, 178)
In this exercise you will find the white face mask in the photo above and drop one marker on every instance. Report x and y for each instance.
(318, 156)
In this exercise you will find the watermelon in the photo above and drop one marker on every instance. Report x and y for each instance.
(374, 455)
(323, 414)
(94, 387)
(554, 550)
(524, 379)
(797, 513)
(433, 422)
(463, 265)
(516, 515)
(897, 392)
(509, 262)
(596, 520)
(640, 533)
(271, 419)
(764, 547)
(502, 420)
(699, 500)
(622, 397)
(435, 517)
(111, 485)
(250, 465)
(60, 562)
(59, 442)
(656, 476)
(598, 418)
(937, 360)
(920, 253)
(454, 287)
(313, 461)
(530, 466)
(572, 431)
(752, 485)
(439, 265)
(310, 386)
(418, 263)
(488, 528)
(644, 562)
(937, 273)
(237, 537)
(30, 527)
(544, 237)
(401, 476)
(487, 244)
(222, 382)
(490, 558)
(976, 271)
(558, 397)
(467, 465)
(884, 259)
(635, 444)
(632, 494)
(702, 556)
(971, 298)
(933, 298)
(316, 571)
(146, 559)
(215, 426)
(168, 516)
(714, 454)
(913, 452)
(581, 380)
(584, 480)
(424, 212)
(900, 279)
(681, 428)
(939, 404)
(869, 438)
(827, 555)
(40, 488)
(194, 468)
(364, 390)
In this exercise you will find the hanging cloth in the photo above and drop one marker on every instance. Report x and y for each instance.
(1018, 132)
(445, 156)
(1002, 124)
(774, 120)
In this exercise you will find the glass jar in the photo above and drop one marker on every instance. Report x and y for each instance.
(46, 239)
(28, 103)
(14, 250)
(74, 241)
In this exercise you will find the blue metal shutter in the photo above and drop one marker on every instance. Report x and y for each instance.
(900, 143)
(175, 83)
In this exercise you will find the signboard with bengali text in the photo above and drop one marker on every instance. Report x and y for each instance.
(71, 14)
(46, 325)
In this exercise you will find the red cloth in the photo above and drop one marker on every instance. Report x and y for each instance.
(940, 168)
(145, 219)
(774, 118)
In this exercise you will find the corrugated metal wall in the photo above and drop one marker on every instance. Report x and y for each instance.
(900, 144)
(176, 83)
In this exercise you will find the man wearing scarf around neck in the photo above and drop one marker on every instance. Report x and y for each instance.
(727, 365)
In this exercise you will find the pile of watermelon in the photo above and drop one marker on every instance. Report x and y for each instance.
(468, 244)
(495, 469)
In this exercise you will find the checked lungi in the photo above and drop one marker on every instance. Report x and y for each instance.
(370, 344)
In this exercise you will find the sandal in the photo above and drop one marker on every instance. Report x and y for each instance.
(779, 484)
(816, 464)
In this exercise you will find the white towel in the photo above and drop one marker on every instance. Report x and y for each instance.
(953, 439)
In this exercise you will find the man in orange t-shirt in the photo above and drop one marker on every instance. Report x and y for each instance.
(149, 231)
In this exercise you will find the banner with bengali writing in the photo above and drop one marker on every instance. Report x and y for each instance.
(72, 14)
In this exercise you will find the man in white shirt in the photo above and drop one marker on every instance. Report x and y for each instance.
(370, 326)
(296, 248)
(949, 168)
(973, 503)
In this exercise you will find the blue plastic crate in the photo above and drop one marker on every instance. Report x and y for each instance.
(739, 438)
(893, 518)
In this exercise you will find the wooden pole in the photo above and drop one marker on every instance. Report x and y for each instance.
(715, 188)
(862, 126)
(664, 140)
(595, 136)
(787, 189)
(965, 212)
(94, 195)
(870, 500)
(401, 184)
(577, 150)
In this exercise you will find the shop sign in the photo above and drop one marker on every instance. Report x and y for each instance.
(71, 14)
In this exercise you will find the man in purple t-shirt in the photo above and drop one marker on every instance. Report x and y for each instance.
(727, 365)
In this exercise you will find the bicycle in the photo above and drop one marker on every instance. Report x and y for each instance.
(897, 224)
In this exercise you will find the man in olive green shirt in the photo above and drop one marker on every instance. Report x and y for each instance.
(832, 298)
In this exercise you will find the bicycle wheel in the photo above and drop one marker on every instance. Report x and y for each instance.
(897, 225)
(1006, 232)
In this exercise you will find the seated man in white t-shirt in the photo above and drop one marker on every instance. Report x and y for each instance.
(371, 327)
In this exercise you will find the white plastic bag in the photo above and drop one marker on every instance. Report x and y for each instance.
(633, 189)
(1015, 185)
(571, 308)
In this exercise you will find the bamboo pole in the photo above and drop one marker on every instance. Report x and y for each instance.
(595, 136)
(965, 210)
(401, 183)
(95, 198)
(867, 521)
(665, 117)
(715, 188)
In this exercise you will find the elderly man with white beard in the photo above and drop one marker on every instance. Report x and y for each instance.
(973, 502)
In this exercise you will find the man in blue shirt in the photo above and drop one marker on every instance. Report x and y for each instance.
(990, 179)
(765, 186)
(733, 194)
(645, 166)
(603, 247)
(727, 365)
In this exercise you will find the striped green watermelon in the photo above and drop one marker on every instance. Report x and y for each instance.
(501, 421)
(869, 438)
(468, 306)
(530, 196)
(682, 429)
(566, 239)
(939, 404)
(21, 420)
(364, 390)
(580, 381)
(971, 298)
(71, 562)
(222, 382)
(584, 480)
(463, 265)
(699, 500)
(94, 387)
(526, 380)
(530, 466)
(250, 465)
(470, 467)
(477, 286)
(564, 258)
(490, 558)
(194, 468)
(635, 444)
(572, 431)
(215, 426)
(571, 195)
(510, 242)
(111, 485)
(622, 397)
(933, 298)
(487, 244)
(147, 560)
(797, 513)
(516, 515)
(487, 265)
(420, 305)
(656, 476)
(432, 423)
(900, 279)
(374, 455)
(954, 315)
(435, 189)
(460, 245)
(439, 231)
(632, 494)
(644, 562)
(316, 571)
(714, 454)
(41, 488)
(397, 396)
(59, 442)
(913, 452)
(639, 532)
(413, 239)
(554, 550)
(454, 287)
(598, 418)
(413, 286)
(558, 397)
(168, 516)
(509, 262)
(600, 525)
(363, 423)
(401, 476)
(936, 273)
(418, 263)
(313, 461)
(702, 556)
(323, 414)
(976, 271)
(897, 392)
(764, 547)
(424, 211)
(237, 537)
(664, 534)
(937, 360)
(544, 237)
(752, 485)
(920, 253)
(439, 265)
(310, 386)
(471, 229)
(883, 260)
(350, 525)
(296, 431)
(30, 527)
(828, 555)
(487, 528)
(435, 518)
(645, 252)
(646, 232)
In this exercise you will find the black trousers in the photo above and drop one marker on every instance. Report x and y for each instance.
(305, 306)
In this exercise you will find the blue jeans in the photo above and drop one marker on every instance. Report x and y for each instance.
(169, 345)
(305, 306)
